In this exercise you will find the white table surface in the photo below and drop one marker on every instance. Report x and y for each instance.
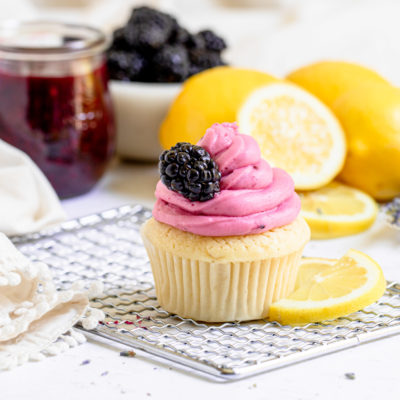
(375, 364)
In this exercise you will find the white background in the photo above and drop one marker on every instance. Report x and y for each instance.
(276, 39)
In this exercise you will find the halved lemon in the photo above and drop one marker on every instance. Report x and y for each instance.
(211, 96)
(328, 289)
(296, 132)
(337, 210)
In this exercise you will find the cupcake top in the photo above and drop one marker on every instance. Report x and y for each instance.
(247, 197)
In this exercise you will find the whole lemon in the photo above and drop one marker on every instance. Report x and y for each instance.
(330, 79)
(208, 97)
(370, 116)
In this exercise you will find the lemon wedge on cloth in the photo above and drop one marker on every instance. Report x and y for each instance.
(327, 289)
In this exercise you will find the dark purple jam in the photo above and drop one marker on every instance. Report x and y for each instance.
(65, 124)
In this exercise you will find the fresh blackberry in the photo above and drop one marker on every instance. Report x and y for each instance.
(189, 170)
(149, 29)
(170, 64)
(119, 41)
(202, 59)
(212, 41)
(179, 35)
(145, 38)
(158, 49)
(125, 66)
(195, 41)
(150, 15)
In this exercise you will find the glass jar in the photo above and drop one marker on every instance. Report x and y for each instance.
(54, 101)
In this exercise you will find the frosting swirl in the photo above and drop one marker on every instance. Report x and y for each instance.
(254, 197)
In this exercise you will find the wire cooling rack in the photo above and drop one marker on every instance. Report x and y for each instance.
(108, 247)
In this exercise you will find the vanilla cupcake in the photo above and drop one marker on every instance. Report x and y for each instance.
(226, 237)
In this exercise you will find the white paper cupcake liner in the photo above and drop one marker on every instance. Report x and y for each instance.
(220, 292)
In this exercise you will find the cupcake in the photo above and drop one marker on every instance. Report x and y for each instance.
(226, 237)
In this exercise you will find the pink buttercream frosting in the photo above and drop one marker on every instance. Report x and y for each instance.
(254, 197)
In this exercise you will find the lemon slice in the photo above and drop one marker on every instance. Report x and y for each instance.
(327, 289)
(296, 132)
(337, 210)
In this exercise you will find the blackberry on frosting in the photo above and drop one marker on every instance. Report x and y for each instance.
(189, 170)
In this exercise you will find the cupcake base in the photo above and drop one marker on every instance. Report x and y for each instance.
(223, 279)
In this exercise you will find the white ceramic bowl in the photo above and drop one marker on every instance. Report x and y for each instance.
(139, 110)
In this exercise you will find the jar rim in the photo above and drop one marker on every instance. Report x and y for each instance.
(49, 40)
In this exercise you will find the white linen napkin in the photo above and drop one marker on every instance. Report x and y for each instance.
(27, 200)
(36, 320)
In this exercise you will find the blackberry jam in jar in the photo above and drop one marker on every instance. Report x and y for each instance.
(54, 101)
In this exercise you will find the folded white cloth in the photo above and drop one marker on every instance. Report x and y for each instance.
(36, 320)
(27, 200)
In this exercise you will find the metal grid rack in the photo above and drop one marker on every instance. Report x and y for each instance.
(108, 247)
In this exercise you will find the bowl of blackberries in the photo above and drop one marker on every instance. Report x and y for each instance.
(148, 60)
